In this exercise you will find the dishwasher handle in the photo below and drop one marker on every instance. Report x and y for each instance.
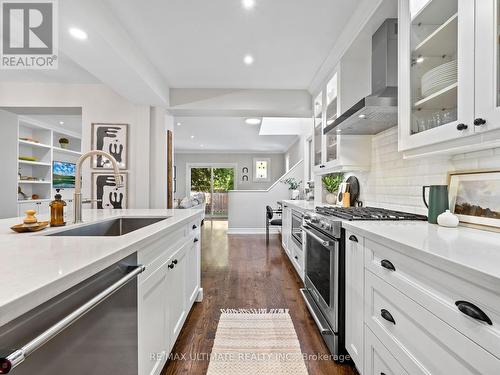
(13, 358)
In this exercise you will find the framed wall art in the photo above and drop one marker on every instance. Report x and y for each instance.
(475, 198)
(111, 138)
(104, 190)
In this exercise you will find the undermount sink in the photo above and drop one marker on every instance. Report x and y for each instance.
(115, 227)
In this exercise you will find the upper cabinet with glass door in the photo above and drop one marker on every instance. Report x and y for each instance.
(436, 62)
(487, 65)
(332, 111)
(318, 129)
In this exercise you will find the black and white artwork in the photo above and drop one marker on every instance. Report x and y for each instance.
(106, 193)
(111, 138)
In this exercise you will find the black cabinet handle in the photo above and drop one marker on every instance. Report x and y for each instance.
(296, 257)
(387, 264)
(175, 261)
(171, 265)
(473, 311)
(479, 121)
(194, 226)
(322, 166)
(195, 240)
(353, 238)
(461, 127)
(387, 316)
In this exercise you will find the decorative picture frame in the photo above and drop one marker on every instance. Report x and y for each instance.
(104, 189)
(475, 198)
(111, 138)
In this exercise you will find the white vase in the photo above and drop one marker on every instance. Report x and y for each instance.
(295, 194)
(331, 198)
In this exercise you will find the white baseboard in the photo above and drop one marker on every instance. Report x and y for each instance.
(272, 230)
(199, 297)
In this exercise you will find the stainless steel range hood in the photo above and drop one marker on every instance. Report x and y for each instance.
(378, 111)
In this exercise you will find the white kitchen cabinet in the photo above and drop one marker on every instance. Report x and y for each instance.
(487, 65)
(176, 292)
(354, 298)
(378, 360)
(154, 335)
(318, 125)
(193, 267)
(436, 100)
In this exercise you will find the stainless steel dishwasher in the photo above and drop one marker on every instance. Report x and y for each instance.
(90, 328)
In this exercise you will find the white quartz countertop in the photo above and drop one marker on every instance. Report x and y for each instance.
(36, 268)
(472, 251)
(300, 204)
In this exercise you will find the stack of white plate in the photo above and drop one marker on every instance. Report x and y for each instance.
(439, 77)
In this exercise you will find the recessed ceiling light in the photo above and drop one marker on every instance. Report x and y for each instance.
(192, 137)
(362, 116)
(77, 33)
(248, 59)
(61, 122)
(253, 121)
(420, 59)
(201, 145)
(248, 4)
(179, 124)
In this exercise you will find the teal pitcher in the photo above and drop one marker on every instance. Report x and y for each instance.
(438, 201)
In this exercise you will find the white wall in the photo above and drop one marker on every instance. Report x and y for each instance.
(246, 211)
(99, 104)
(8, 157)
(242, 160)
(397, 183)
(296, 152)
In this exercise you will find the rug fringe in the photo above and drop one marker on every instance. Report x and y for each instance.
(254, 311)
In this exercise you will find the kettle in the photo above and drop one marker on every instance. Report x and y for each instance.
(438, 201)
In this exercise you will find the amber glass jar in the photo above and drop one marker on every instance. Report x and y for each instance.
(57, 211)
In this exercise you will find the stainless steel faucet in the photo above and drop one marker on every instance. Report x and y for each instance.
(77, 197)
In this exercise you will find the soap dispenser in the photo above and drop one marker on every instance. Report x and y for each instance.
(57, 211)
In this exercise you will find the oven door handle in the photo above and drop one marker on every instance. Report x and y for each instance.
(316, 237)
(322, 329)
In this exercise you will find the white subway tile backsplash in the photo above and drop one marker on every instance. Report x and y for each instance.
(396, 183)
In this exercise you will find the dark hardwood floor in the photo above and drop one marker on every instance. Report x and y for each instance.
(240, 271)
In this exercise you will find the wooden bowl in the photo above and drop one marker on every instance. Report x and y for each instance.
(23, 228)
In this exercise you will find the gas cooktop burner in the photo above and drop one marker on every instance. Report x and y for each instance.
(367, 213)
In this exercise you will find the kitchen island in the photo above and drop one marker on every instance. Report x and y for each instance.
(40, 266)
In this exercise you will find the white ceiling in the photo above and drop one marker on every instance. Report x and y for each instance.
(201, 44)
(226, 134)
(285, 126)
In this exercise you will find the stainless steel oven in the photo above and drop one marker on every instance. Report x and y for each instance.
(324, 285)
(296, 229)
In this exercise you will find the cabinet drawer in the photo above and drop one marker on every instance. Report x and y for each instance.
(378, 360)
(422, 342)
(438, 291)
(157, 253)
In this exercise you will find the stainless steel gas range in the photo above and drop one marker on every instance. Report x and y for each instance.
(324, 247)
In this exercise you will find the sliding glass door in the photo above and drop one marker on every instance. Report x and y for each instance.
(215, 183)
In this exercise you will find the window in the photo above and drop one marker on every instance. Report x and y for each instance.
(262, 169)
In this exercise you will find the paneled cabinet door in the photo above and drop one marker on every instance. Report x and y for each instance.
(436, 71)
(354, 294)
(286, 227)
(176, 292)
(153, 330)
(487, 65)
(192, 272)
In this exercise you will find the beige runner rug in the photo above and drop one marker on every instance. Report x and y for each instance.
(256, 342)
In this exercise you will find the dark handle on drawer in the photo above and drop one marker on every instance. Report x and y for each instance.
(322, 166)
(353, 238)
(387, 316)
(387, 264)
(296, 257)
(196, 240)
(473, 311)
(175, 261)
(479, 121)
(461, 127)
(194, 226)
(171, 265)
